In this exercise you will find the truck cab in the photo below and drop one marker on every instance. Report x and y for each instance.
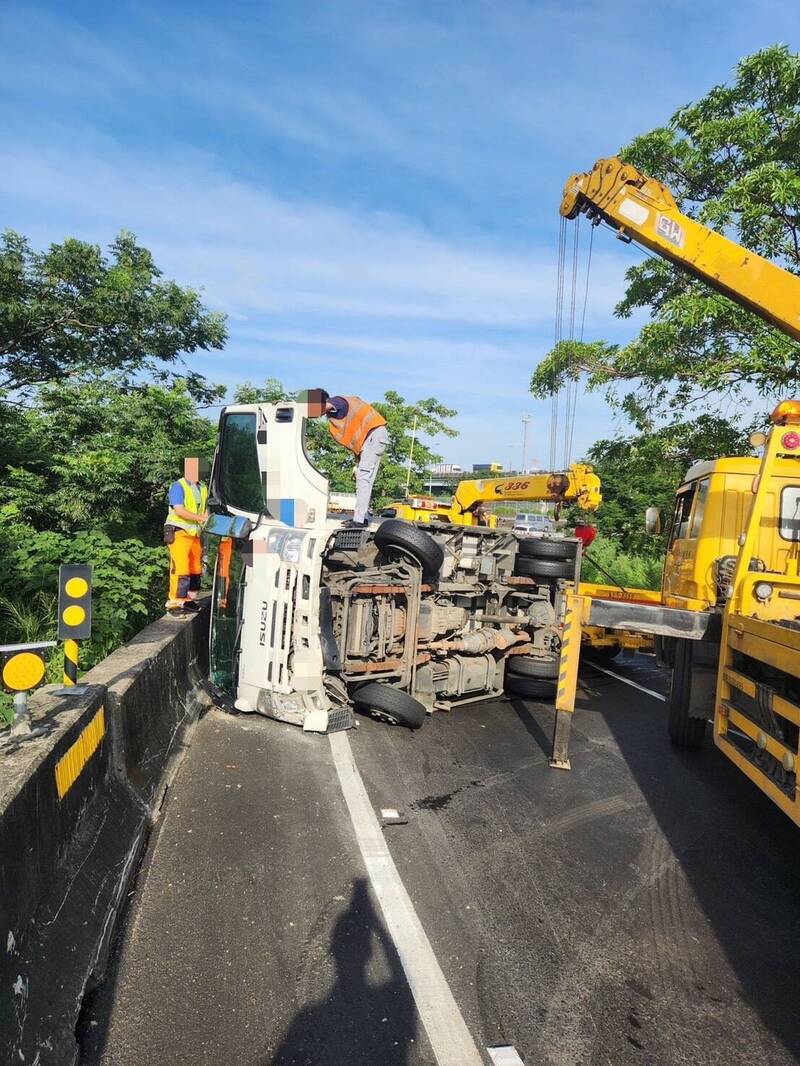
(712, 506)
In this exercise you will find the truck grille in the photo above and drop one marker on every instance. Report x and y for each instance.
(349, 540)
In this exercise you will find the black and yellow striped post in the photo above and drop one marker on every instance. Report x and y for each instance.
(567, 679)
(74, 615)
(70, 662)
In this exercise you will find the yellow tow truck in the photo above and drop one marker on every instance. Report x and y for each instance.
(729, 622)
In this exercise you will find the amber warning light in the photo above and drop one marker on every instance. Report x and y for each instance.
(788, 411)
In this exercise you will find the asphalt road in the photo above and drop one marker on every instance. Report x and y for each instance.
(642, 908)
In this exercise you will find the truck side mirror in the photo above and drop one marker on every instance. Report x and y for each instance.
(652, 520)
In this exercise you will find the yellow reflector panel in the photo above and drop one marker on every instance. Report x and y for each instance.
(76, 586)
(23, 671)
(72, 762)
(74, 615)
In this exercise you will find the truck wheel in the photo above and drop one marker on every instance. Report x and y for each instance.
(544, 567)
(391, 702)
(528, 666)
(601, 655)
(685, 732)
(665, 651)
(536, 548)
(395, 537)
(530, 687)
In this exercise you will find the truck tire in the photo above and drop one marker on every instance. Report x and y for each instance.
(665, 651)
(533, 688)
(601, 655)
(684, 731)
(391, 702)
(553, 568)
(538, 548)
(395, 537)
(528, 666)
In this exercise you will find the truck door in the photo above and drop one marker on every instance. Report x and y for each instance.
(682, 581)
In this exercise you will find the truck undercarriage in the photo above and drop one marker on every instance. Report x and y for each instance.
(442, 637)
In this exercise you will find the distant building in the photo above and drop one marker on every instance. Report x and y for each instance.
(340, 502)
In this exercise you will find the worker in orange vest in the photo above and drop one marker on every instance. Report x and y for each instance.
(356, 425)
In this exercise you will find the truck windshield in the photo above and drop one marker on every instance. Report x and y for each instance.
(683, 509)
(790, 513)
(238, 476)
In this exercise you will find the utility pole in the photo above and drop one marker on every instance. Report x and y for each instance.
(525, 420)
(411, 454)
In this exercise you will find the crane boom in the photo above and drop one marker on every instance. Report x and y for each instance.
(579, 484)
(643, 209)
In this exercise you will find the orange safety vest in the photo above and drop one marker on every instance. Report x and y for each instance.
(360, 420)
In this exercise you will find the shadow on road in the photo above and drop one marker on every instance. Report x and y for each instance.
(360, 1023)
(532, 727)
(739, 854)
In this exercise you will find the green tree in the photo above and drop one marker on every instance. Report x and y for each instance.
(732, 161)
(338, 464)
(72, 311)
(97, 455)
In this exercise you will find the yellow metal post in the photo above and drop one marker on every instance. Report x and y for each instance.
(70, 662)
(567, 680)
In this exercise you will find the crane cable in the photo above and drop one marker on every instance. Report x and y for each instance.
(580, 338)
(572, 384)
(554, 399)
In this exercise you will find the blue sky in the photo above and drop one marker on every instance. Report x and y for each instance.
(369, 189)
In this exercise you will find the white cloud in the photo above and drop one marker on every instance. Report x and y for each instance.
(258, 253)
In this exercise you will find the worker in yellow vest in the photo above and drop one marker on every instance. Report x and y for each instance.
(356, 425)
(187, 514)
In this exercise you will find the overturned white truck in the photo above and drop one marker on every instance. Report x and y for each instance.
(310, 619)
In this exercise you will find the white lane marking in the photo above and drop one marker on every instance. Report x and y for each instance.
(447, 1031)
(505, 1056)
(627, 681)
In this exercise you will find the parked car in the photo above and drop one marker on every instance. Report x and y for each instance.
(534, 523)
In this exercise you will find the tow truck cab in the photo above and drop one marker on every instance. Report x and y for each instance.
(306, 612)
(711, 511)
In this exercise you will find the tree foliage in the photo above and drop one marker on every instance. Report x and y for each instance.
(98, 456)
(72, 311)
(338, 464)
(128, 579)
(732, 161)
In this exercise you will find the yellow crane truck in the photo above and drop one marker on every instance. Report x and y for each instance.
(729, 621)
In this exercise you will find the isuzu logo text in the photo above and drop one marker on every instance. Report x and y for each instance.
(262, 630)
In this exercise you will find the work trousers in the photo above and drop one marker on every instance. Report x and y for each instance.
(367, 470)
(185, 568)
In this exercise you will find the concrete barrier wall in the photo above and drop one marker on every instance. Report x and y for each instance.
(76, 806)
